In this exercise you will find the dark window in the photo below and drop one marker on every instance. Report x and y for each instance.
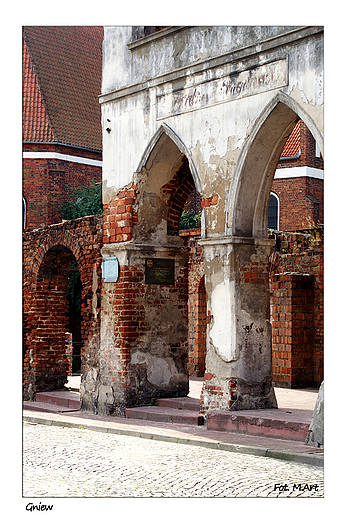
(141, 31)
(273, 212)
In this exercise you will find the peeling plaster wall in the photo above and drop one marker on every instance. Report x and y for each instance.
(180, 80)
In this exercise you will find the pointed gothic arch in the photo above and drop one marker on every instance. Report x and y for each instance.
(246, 213)
(166, 173)
(165, 129)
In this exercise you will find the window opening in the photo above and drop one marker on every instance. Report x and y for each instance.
(273, 210)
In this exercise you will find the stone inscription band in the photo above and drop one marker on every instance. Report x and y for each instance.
(230, 87)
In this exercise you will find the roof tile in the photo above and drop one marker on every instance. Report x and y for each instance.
(36, 124)
(62, 69)
(293, 144)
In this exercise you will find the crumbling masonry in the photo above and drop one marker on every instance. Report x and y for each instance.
(212, 114)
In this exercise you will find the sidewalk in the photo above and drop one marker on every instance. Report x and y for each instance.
(302, 401)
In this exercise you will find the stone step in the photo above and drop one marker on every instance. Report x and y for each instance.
(47, 407)
(164, 414)
(180, 403)
(290, 424)
(62, 398)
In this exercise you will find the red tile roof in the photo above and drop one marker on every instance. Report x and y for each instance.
(293, 144)
(62, 73)
(36, 123)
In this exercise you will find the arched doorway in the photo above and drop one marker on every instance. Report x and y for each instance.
(61, 271)
(74, 297)
(52, 316)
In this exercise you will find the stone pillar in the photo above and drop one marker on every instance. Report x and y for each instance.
(315, 436)
(239, 346)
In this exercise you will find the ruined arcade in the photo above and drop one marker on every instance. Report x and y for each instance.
(205, 108)
(187, 108)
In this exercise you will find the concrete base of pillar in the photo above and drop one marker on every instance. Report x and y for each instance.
(231, 394)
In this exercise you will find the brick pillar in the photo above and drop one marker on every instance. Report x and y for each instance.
(197, 328)
(292, 323)
(196, 305)
(46, 344)
(239, 355)
(144, 335)
(69, 352)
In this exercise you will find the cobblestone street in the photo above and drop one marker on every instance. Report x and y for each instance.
(76, 462)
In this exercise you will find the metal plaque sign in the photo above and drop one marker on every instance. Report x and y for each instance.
(160, 271)
(110, 269)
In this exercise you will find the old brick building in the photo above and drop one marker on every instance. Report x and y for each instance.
(297, 188)
(143, 339)
(62, 140)
(62, 151)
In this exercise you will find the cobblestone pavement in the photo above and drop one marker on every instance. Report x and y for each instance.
(76, 462)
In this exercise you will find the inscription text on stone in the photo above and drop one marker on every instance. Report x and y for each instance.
(232, 86)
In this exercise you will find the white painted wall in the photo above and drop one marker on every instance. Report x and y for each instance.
(139, 89)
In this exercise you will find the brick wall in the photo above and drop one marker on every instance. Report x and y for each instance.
(297, 309)
(47, 255)
(196, 304)
(46, 182)
(120, 217)
(292, 320)
(178, 191)
(69, 352)
(300, 202)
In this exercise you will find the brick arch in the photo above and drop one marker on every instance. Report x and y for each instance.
(61, 238)
(164, 180)
(47, 322)
(182, 186)
(47, 256)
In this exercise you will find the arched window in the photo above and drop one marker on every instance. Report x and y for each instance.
(273, 212)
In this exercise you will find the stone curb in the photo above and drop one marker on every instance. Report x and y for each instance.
(287, 455)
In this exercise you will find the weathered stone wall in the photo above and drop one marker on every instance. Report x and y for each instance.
(144, 342)
(235, 80)
(144, 331)
(47, 256)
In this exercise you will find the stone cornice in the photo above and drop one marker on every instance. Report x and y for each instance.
(209, 63)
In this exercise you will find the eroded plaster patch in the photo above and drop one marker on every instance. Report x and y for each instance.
(94, 290)
(161, 372)
(223, 330)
